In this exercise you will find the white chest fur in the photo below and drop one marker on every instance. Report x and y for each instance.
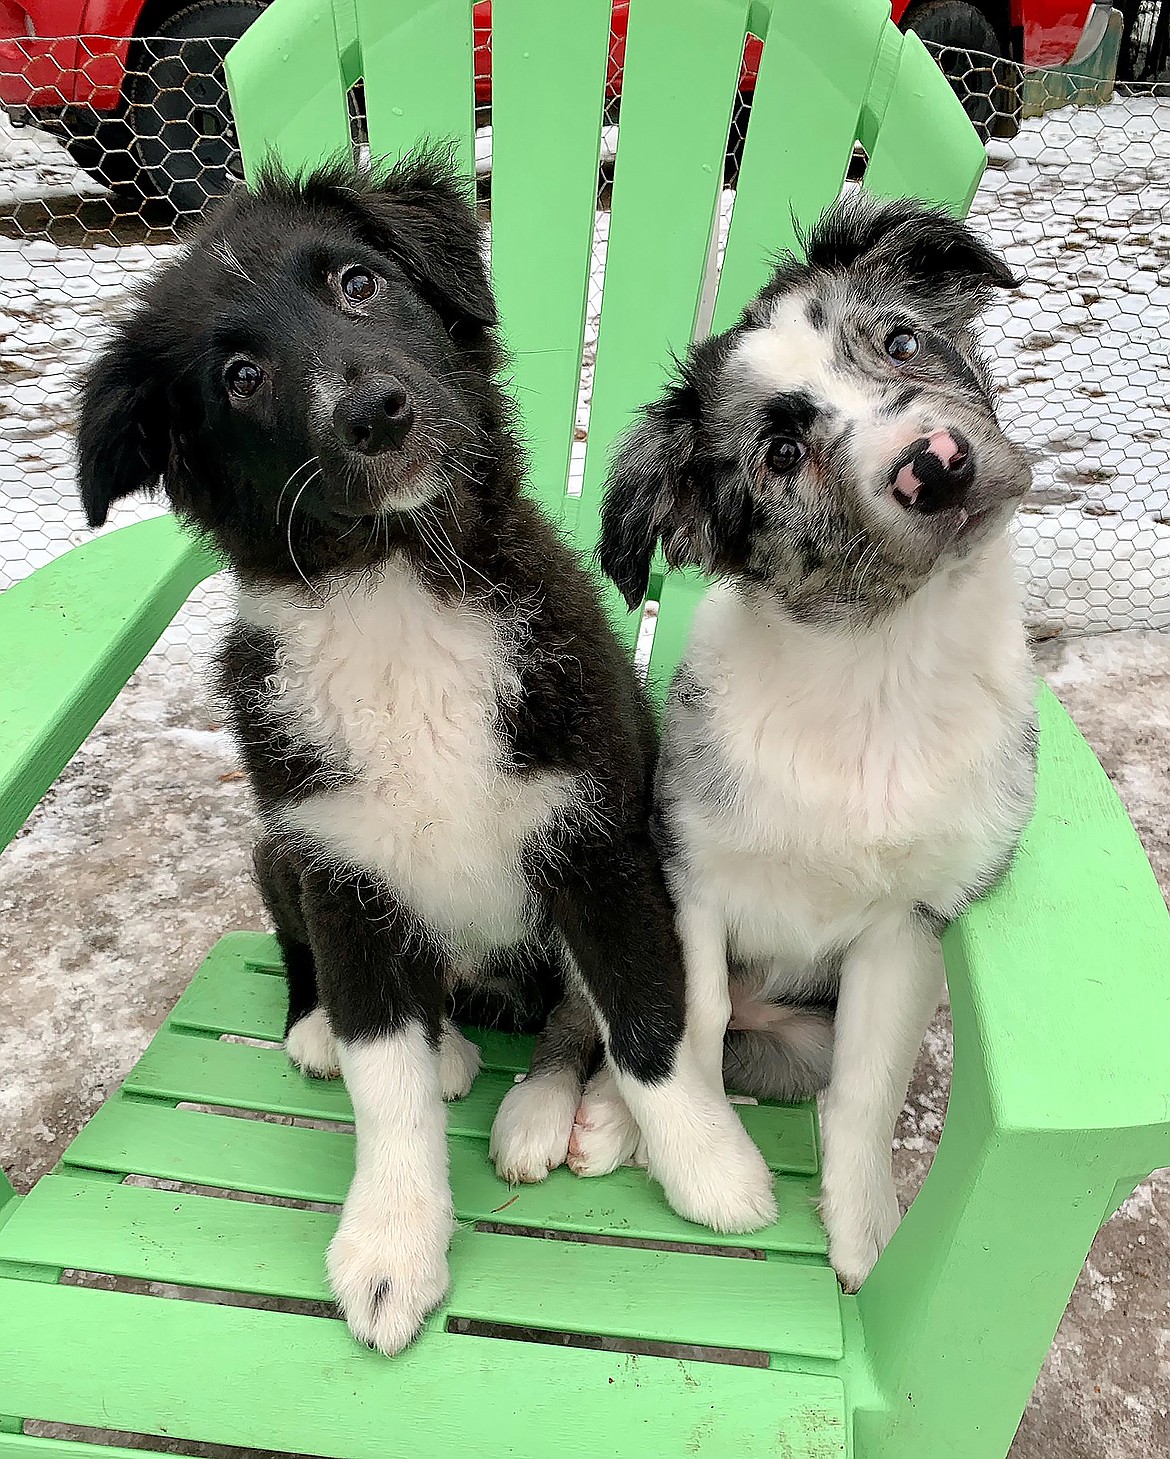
(886, 765)
(403, 692)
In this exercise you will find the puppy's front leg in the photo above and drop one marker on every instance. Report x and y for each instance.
(891, 980)
(618, 926)
(382, 984)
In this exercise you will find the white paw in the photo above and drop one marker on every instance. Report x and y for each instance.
(859, 1227)
(311, 1046)
(530, 1133)
(604, 1133)
(387, 1276)
(728, 1188)
(458, 1062)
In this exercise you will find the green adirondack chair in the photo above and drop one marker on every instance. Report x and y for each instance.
(1060, 981)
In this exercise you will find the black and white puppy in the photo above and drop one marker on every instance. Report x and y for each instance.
(848, 747)
(450, 754)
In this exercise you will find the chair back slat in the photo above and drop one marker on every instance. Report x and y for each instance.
(287, 89)
(681, 70)
(548, 81)
(409, 93)
(920, 141)
(817, 63)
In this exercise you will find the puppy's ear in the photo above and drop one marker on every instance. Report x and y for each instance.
(122, 438)
(660, 489)
(421, 215)
(925, 251)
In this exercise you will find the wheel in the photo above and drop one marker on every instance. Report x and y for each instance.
(101, 145)
(962, 38)
(179, 111)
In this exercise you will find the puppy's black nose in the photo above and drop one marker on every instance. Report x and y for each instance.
(933, 473)
(373, 415)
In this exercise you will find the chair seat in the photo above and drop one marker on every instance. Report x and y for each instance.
(280, 1377)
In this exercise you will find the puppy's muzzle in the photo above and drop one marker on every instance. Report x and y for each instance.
(934, 473)
(373, 415)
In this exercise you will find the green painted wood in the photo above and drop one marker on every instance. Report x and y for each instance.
(29, 1446)
(666, 1296)
(71, 634)
(177, 1067)
(682, 65)
(137, 1137)
(281, 1381)
(1061, 1002)
(407, 96)
(288, 89)
(817, 62)
(235, 992)
(546, 126)
(225, 998)
(1082, 916)
(919, 140)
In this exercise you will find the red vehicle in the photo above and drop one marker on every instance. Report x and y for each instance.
(135, 87)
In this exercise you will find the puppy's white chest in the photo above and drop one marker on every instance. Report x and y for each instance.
(864, 771)
(402, 693)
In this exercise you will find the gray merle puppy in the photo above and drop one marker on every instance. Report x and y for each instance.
(849, 744)
(450, 754)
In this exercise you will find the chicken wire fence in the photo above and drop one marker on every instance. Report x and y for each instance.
(1076, 195)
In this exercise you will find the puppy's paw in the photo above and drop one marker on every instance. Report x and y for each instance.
(604, 1132)
(458, 1062)
(311, 1046)
(859, 1226)
(387, 1278)
(530, 1133)
(729, 1189)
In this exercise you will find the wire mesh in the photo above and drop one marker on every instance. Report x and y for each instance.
(1078, 199)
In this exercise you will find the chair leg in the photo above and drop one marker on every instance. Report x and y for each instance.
(961, 1308)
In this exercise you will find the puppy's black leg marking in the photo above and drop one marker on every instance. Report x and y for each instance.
(612, 909)
(278, 877)
(382, 980)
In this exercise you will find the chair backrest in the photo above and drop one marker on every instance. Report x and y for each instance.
(832, 73)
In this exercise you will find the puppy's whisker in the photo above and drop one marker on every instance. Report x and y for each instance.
(292, 551)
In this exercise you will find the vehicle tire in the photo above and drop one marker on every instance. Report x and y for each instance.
(179, 111)
(967, 38)
(103, 146)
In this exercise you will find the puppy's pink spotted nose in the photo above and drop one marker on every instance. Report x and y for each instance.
(947, 449)
(933, 472)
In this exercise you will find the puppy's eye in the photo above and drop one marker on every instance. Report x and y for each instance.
(358, 285)
(785, 454)
(902, 346)
(243, 378)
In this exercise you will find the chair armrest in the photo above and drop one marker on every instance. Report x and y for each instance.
(1060, 1105)
(71, 634)
(1061, 976)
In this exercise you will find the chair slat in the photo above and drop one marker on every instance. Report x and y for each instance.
(668, 1296)
(920, 141)
(276, 1380)
(817, 64)
(287, 89)
(546, 124)
(197, 1070)
(410, 95)
(138, 1137)
(682, 66)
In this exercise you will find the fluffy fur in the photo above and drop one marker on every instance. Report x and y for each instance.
(848, 746)
(449, 751)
